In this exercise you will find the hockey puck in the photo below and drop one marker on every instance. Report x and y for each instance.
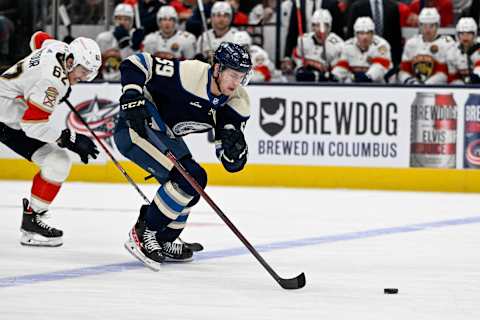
(390, 290)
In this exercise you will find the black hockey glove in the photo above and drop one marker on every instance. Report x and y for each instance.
(133, 109)
(474, 78)
(122, 36)
(362, 77)
(233, 143)
(137, 38)
(78, 143)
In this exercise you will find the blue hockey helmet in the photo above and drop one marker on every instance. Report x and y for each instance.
(233, 56)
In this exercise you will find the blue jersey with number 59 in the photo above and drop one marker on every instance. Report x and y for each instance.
(181, 92)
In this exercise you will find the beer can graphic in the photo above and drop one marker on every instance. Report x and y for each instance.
(471, 150)
(434, 130)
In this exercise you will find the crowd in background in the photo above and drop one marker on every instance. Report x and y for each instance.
(335, 40)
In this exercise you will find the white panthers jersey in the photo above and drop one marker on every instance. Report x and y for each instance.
(181, 45)
(112, 55)
(460, 65)
(263, 68)
(203, 47)
(31, 89)
(324, 56)
(425, 61)
(374, 62)
(106, 41)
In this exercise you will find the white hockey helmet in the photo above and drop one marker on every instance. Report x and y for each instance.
(467, 25)
(322, 16)
(166, 12)
(86, 53)
(242, 38)
(222, 7)
(429, 16)
(123, 10)
(364, 24)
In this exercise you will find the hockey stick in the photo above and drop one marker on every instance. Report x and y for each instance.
(193, 246)
(205, 27)
(293, 283)
(300, 29)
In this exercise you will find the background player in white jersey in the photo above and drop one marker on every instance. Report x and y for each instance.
(424, 58)
(120, 42)
(463, 58)
(263, 69)
(366, 57)
(29, 92)
(169, 42)
(221, 19)
(321, 49)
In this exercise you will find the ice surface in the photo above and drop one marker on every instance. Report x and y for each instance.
(350, 244)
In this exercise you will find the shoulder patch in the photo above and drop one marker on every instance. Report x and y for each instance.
(51, 95)
(382, 49)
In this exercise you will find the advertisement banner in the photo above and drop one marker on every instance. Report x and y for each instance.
(322, 125)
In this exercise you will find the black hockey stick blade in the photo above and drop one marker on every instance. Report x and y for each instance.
(293, 283)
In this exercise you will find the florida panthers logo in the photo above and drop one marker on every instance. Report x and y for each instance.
(272, 115)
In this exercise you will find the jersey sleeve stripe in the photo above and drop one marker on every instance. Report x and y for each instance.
(142, 62)
(406, 66)
(384, 62)
(132, 87)
(35, 113)
(343, 64)
(440, 67)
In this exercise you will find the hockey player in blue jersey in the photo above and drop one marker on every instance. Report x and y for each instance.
(173, 99)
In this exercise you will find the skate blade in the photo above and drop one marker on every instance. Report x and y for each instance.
(131, 247)
(167, 259)
(35, 240)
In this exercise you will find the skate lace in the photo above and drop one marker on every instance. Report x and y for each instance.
(175, 248)
(150, 241)
(42, 224)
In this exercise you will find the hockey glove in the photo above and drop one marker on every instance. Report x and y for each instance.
(362, 77)
(137, 38)
(233, 143)
(122, 36)
(304, 74)
(133, 109)
(474, 78)
(78, 143)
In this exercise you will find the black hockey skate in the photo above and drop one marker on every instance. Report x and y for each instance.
(176, 252)
(35, 232)
(193, 246)
(143, 245)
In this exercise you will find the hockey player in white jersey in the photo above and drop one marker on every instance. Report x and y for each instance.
(424, 59)
(120, 42)
(29, 93)
(221, 19)
(169, 42)
(321, 49)
(366, 57)
(463, 58)
(263, 69)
